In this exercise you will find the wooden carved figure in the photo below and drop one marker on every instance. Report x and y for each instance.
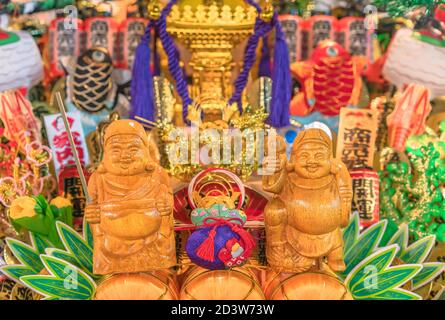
(313, 201)
(131, 210)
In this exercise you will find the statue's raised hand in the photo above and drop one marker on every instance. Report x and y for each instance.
(164, 207)
(92, 213)
(272, 164)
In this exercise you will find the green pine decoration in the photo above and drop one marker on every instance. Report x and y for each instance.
(411, 193)
(380, 269)
(399, 8)
(415, 142)
(300, 7)
(39, 6)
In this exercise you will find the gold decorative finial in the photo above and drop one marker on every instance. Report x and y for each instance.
(154, 10)
(211, 16)
(267, 11)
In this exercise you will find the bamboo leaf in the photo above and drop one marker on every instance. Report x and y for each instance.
(41, 204)
(390, 230)
(64, 270)
(16, 271)
(63, 255)
(429, 271)
(401, 239)
(364, 246)
(350, 233)
(50, 286)
(77, 246)
(419, 250)
(87, 234)
(39, 242)
(27, 255)
(395, 294)
(369, 268)
(386, 280)
(68, 257)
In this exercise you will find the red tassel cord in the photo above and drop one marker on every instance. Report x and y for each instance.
(246, 239)
(206, 250)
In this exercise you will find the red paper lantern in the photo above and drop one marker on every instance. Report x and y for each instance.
(102, 32)
(130, 33)
(366, 184)
(63, 43)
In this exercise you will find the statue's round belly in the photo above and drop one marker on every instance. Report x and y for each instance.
(314, 217)
(131, 224)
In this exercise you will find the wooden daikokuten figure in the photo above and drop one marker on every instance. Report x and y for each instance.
(313, 202)
(131, 210)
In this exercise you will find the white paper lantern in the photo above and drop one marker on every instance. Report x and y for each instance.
(21, 63)
(410, 60)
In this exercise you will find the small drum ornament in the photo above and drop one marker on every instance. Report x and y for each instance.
(158, 285)
(305, 286)
(234, 284)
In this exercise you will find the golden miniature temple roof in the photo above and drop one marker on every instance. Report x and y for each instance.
(231, 3)
(212, 16)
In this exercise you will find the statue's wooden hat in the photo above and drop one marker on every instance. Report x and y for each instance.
(125, 127)
(312, 135)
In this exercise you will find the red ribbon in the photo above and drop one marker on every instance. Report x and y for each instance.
(206, 250)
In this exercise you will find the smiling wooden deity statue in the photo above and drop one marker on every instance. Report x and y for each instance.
(313, 202)
(131, 210)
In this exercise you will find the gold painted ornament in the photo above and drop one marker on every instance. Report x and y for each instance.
(11, 290)
(211, 32)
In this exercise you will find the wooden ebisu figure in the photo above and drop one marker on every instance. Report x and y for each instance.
(312, 203)
(132, 205)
